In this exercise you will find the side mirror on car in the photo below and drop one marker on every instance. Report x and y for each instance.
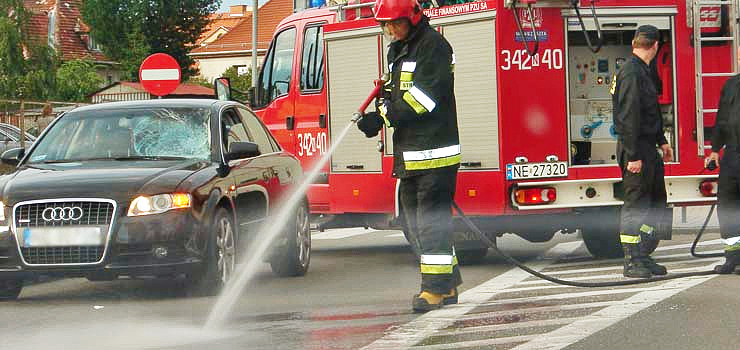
(222, 87)
(240, 150)
(12, 156)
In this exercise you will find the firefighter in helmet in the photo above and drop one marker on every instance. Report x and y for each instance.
(639, 125)
(727, 134)
(419, 103)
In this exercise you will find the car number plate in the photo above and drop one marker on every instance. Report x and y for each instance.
(536, 170)
(62, 236)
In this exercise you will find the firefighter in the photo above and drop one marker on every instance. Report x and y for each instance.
(639, 125)
(419, 103)
(727, 134)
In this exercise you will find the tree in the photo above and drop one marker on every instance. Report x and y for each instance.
(76, 79)
(239, 82)
(27, 66)
(130, 30)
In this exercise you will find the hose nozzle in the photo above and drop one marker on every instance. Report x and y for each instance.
(356, 116)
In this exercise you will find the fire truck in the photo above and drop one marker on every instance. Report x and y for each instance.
(532, 81)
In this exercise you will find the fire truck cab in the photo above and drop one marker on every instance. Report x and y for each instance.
(532, 81)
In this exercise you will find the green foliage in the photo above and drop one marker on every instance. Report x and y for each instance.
(200, 81)
(238, 82)
(33, 77)
(76, 79)
(130, 30)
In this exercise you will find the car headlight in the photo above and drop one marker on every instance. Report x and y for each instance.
(147, 205)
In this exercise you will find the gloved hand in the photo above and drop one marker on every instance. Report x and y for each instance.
(370, 124)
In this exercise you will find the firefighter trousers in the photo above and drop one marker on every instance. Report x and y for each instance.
(645, 199)
(426, 204)
(728, 198)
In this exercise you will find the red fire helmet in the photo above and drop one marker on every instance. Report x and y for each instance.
(388, 10)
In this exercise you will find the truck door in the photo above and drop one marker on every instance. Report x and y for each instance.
(274, 101)
(310, 101)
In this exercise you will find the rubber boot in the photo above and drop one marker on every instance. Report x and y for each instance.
(427, 301)
(732, 259)
(649, 263)
(633, 265)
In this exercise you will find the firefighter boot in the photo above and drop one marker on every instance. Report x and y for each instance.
(732, 259)
(633, 265)
(450, 298)
(427, 301)
(649, 263)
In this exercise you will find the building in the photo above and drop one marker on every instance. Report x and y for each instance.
(60, 25)
(234, 48)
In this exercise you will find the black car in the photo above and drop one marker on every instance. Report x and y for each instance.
(161, 188)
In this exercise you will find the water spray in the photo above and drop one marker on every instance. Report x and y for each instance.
(248, 269)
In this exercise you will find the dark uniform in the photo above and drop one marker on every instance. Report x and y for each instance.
(727, 134)
(639, 125)
(419, 102)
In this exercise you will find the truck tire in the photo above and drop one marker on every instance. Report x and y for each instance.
(600, 232)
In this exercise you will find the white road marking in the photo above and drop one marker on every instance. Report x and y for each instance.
(423, 326)
(342, 233)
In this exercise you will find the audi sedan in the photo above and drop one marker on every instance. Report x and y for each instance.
(162, 188)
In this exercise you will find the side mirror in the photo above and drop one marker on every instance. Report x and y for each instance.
(240, 150)
(12, 156)
(252, 96)
(222, 87)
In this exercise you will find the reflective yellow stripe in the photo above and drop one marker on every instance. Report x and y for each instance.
(406, 85)
(383, 112)
(646, 229)
(432, 163)
(629, 239)
(407, 76)
(454, 261)
(732, 248)
(413, 103)
(435, 269)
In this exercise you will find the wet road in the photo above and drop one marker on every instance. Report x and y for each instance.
(357, 294)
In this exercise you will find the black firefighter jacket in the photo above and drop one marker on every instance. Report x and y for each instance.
(637, 117)
(420, 103)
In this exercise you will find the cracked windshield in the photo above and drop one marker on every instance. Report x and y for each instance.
(369, 174)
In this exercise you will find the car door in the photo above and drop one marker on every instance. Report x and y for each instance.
(250, 177)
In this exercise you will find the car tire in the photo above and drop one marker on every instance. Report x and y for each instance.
(600, 232)
(10, 288)
(293, 258)
(220, 260)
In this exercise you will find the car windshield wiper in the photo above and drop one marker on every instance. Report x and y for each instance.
(149, 158)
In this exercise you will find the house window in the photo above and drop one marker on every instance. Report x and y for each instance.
(52, 24)
(91, 43)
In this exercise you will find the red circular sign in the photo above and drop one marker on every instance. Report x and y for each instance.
(159, 74)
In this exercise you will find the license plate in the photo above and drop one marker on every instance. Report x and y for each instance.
(536, 170)
(62, 236)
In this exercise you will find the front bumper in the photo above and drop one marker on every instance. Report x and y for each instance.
(156, 245)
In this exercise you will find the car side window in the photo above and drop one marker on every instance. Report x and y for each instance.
(257, 131)
(232, 129)
(312, 61)
(4, 137)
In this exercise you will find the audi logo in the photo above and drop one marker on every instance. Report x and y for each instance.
(62, 214)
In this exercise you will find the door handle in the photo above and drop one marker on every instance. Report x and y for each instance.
(322, 121)
(290, 122)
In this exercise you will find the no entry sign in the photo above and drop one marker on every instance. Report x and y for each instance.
(159, 74)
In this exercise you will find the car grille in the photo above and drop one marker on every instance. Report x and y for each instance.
(63, 255)
(93, 214)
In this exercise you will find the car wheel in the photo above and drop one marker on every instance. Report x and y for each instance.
(220, 258)
(10, 288)
(294, 257)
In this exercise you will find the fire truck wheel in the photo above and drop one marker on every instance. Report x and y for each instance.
(600, 232)
(471, 256)
(294, 257)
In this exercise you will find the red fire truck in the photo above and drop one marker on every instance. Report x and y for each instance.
(532, 84)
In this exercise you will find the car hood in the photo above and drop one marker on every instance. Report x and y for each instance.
(118, 180)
